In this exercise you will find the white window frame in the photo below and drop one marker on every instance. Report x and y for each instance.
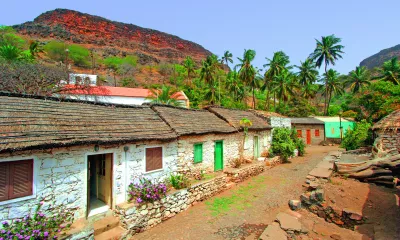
(36, 169)
(162, 159)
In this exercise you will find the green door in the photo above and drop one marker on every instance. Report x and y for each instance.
(218, 158)
(256, 148)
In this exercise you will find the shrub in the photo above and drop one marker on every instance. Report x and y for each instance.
(55, 50)
(282, 143)
(79, 55)
(358, 137)
(38, 226)
(146, 191)
(179, 181)
(298, 142)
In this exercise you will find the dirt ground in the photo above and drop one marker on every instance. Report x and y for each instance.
(243, 211)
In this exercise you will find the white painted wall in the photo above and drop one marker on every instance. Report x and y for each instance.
(60, 176)
(264, 138)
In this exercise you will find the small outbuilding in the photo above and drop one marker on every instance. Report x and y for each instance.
(310, 129)
(259, 137)
(335, 127)
(387, 132)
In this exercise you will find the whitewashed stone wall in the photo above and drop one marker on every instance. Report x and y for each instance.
(186, 151)
(60, 176)
(387, 141)
(264, 138)
(280, 122)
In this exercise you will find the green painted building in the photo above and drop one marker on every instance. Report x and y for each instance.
(332, 126)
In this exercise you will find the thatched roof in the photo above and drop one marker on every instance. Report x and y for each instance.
(38, 123)
(306, 120)
(390, 122)
(233, 117)
(189, 121)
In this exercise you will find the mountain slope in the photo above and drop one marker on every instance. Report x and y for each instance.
(378, 59)
(114, 38)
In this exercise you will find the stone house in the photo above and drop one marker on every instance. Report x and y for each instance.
(78, 155)
(259, 137)
(205, 142)
(276, 119)
(310, 129)
(387, 132)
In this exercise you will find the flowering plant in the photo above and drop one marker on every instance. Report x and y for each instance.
(38, 226)
(146, 191)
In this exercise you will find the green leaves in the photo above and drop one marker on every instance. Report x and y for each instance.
(390, 71)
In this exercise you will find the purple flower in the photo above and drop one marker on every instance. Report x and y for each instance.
(55, 237)
(3, 231)
(41, 203)
(46, 234)
(41, 214)
(5, 223)
(139, 200)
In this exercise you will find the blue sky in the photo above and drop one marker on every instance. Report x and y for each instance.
(366, 27)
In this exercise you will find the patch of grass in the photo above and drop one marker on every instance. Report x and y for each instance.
(239, 199)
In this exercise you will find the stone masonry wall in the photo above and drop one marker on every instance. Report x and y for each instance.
(312, 127)
(137, 218)
(245, 171)
(264, 142)
(386, 140)
(280, 122)
(60, 176)
(186, 151)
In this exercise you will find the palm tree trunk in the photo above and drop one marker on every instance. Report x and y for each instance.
(268, 101)
(254, 99)
(326, 92)
(274, 101)
(329, 101)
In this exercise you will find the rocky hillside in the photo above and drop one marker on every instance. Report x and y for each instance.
(378, 59)
(111, 38)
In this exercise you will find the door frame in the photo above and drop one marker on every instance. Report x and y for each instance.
(87, 184)
(222, 155)
(256, 154)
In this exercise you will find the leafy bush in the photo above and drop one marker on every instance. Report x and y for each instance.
(179, 181)
(79, 55)
(55, 50)
(358, 137)
(298, 142)
(146, 191)
(282, 143)
(38, 226)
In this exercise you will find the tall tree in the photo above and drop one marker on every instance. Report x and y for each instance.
(333, 84)
(309, 91)
(285, 85)
(208, 73)
(227, 58)
(358, 78)
(307, 72)
(327, 51)
(390, 71)
(276, 66)
(189, 65)
(235, 86)
(247, 72)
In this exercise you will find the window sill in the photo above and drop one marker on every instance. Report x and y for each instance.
(15, 200)
(154, 171)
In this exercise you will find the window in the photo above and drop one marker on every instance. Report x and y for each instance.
(16, 179)
(153, 159)
(198, 153)
(299, 134)
(317, 132)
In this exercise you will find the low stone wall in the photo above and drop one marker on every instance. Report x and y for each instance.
(245, 171)
(137, 218)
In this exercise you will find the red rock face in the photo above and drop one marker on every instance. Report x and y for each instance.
(82, 28)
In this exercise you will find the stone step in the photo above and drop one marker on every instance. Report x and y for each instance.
(105, 224)
(112, 234)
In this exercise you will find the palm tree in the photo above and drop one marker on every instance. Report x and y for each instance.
(285, 85)
(390, 71)
(35, 49)
(189, 65)
(10, 53)
(208, 72)
(276, 66)
(327, 51)
(309, 91)
(358, 78)
(165, 95)
(333, 85)
(307, 72)
(234, 85)
(247, 72)
(227, 58)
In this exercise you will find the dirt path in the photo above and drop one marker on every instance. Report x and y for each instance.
(244, 211)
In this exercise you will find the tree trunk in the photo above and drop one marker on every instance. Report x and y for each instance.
(254, 99)
(267, 101)
(329, 101)
(274, 101)
(326, 91)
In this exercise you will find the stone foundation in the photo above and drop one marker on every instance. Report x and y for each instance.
(245, 171)
(138, 218)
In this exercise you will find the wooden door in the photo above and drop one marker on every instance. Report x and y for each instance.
(308, 136)
(256, 148)
(104, 176)
(218, 158)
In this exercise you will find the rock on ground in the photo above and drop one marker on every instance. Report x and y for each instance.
(288, 222)
(273, 232)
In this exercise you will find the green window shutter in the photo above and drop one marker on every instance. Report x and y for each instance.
(198, 153)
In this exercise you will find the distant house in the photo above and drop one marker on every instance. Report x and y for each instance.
(115, 95)
(332, 127)
(78, 155)
(387, 131)
(205, 142)
(276, 119)
(310, 129)
(259, 136)
(81, 79)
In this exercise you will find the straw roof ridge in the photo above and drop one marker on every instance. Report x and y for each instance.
(171, 106)
(390, 122)
(57, 99)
